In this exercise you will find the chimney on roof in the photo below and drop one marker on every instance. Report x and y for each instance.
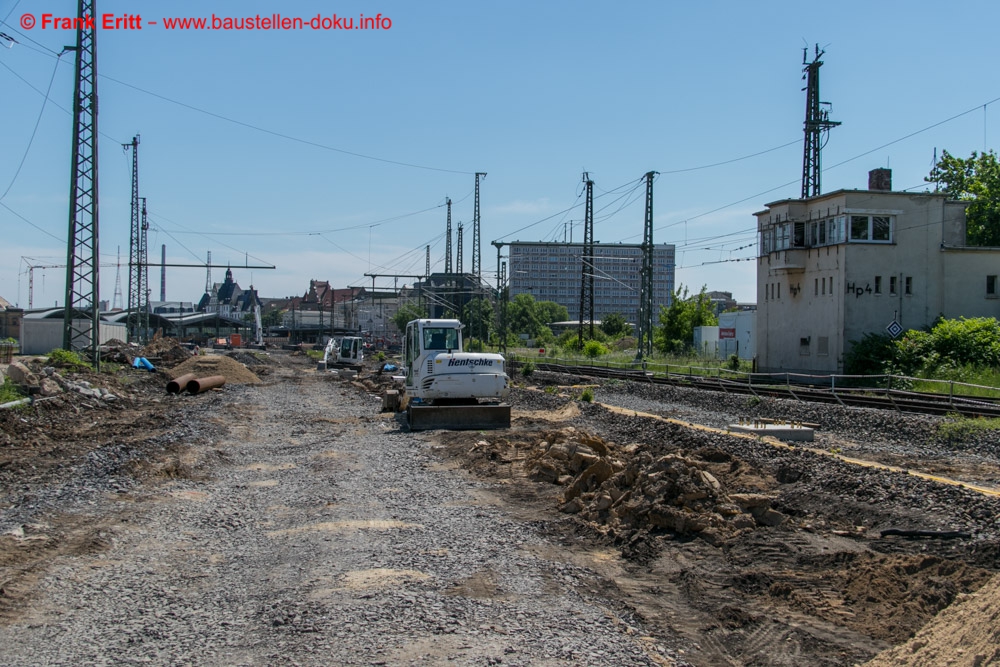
(880, 179)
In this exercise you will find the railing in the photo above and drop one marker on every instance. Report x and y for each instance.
(897, 392)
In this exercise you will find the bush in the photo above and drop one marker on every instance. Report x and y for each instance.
(593, 349)
(733, 362)
(67, 359)
(587, 395)
(874, 354)
(528, 368)
(9, 391)
(473, 345)
(380, 356)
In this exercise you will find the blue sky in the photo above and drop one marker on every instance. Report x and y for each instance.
(243, 133)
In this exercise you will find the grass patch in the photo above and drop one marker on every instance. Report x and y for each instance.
(67, 359)
(958, 428)
(9, 391)
(315, 354)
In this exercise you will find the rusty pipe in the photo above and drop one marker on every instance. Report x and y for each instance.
(180, 384)
(198, 385)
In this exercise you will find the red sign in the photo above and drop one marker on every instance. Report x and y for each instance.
(727, 333)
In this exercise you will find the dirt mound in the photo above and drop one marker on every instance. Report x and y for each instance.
(251, 359)
(624, 490)
(167, 351)
(966, 633)
(119, 352)
(232, 370)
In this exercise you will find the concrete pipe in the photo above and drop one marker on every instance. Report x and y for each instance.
(180, 384)
(198, 385)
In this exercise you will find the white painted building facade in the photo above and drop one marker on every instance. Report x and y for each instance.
(834, 267)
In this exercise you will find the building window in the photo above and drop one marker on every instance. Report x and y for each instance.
(804, 346)
(873, 229)
(859, 227)
(878, 284)
(892, 285)
(991, 285)
(823, 346)
(779, 290)
(908, 288)
(823, 287)
(816, 287)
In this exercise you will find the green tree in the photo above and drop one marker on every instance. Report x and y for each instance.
(677, 322)
(272, 318)
(615, 325)
(406, 314)
(477, 316)
(549, 312)
(522, 315)
(976, 180)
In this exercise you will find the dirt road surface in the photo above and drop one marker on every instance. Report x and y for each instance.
(290, 522)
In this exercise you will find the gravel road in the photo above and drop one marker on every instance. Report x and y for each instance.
(291, 523)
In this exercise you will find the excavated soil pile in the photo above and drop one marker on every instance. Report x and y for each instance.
(232, 370)
(251, 359)
(965, 634)
(119, 352)
(642, 498)
(166, 352)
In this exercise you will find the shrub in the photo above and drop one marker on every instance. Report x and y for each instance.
(67, 359)
(593, 349)
(528, 368)
(380, 356)
(9, 391)
(733, 362)
(587, 395)
(872, 355)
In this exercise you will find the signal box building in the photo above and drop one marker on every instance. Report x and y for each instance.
(834, 267)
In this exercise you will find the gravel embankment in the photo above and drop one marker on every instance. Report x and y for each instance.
(292, 531)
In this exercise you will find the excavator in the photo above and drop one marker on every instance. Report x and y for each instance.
(348, 352)
(447, 388)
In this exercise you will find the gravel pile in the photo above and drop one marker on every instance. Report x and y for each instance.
(898, 433)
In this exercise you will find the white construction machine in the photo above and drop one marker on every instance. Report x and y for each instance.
(448, 388)
(348, 352)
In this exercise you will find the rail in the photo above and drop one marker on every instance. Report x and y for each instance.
(887, 392)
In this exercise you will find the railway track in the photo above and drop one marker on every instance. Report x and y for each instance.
(867, 397)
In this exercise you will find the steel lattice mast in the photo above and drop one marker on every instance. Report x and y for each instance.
(135, 273)
(817, 122)
(646, 277)
(477, 262)
(144, 272)
(447, 240)
(82, 251)
(587, 264)
(458, 250)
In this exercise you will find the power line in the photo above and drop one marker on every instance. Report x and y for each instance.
(34, 131)
(281, 135)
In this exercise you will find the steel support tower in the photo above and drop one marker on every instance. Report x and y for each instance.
(503, 298)
(587, 265)
(136, 289)
(163, 272)
(447, 240)
(144, 271)
(477, 263)
(427, 263)
(817, 122)
(646, 277)
(82, 251)
(458, 251)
